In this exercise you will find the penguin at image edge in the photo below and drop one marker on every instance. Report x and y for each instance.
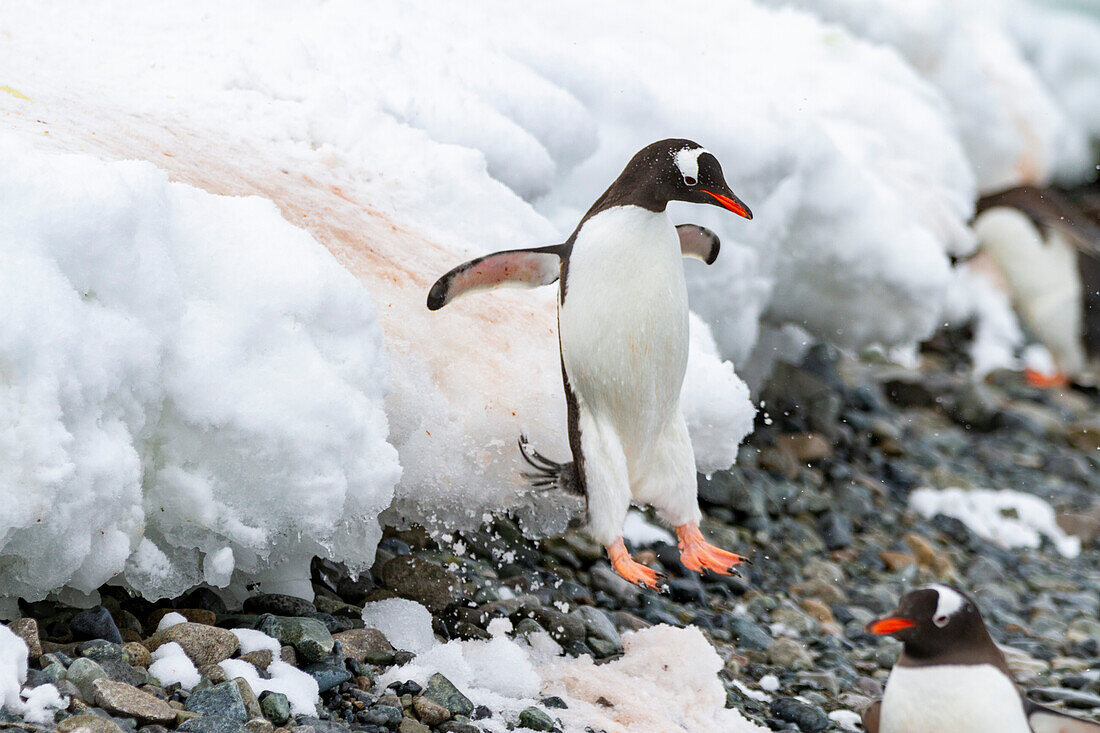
(623, 336)
(951, 677)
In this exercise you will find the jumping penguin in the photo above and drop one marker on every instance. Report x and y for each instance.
(623, 334)
(951, 677)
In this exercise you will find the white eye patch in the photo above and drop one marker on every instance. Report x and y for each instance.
(687, 160)
(949, 603)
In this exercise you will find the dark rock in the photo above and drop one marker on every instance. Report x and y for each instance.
(327, 675)
(82, 673)
(275, 707)
(836, 530)
(808, 718)
(440, 690)
(748, 635)
(95, 623)
(212, 724)
(422, 581)
(309, 637)
(223, 700)
(536, 719)
(278, 604)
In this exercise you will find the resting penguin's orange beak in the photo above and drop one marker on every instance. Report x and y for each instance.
(731, 203)
(890, 625)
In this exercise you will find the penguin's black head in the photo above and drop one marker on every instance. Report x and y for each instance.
(678, 170)
(933, 621)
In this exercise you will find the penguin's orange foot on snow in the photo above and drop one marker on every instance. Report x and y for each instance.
(699, 555)
(1045, 381)
(632, 570)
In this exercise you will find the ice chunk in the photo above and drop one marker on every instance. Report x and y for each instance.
(406, 624)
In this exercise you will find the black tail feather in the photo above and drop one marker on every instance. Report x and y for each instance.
(548, 475)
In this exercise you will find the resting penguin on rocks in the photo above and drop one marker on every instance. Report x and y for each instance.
(1046, 252)
(623, 334)
(951, 677)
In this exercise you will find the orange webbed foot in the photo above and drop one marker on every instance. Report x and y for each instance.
(699, 555)
(632, 570)
(1038, 379)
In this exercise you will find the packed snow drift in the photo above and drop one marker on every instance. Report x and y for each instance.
(192, 387)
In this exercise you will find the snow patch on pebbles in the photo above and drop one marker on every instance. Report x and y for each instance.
(252, 640)
(171, 665)
(300, 688)
(667, 679)
(1006, 517)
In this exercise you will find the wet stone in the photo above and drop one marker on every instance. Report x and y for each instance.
(203, 644)
(88, 723)
(82, 673)
(440, 690)
(95, 623)
(366, 646)
(309, 637)
(128, 701)
(429, 711)
(536, 719)
(222, 700)
(275, 707)
(808, 718)
(27, 630)
(278, 604)
(212, 724)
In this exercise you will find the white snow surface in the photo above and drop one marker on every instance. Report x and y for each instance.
(667, 679)
(13, 669)
(172, 665)
(300, 689)
(171, 619)
(252, 640)
(1006, 517)
(40, 703)
(1018, 77)
(183, 373)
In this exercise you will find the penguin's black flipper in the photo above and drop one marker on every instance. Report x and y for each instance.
(1047, 720)
(527, 268)
(698, 242)
(870, 716)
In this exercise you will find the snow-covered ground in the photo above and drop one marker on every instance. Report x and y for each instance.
(666, 680)
(166, 348)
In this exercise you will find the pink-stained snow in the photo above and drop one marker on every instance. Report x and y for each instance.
(666, 680)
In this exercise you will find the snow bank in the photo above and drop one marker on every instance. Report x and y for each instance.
(192, 387)
(667, 679)
(1019, 77)
(1009, 518)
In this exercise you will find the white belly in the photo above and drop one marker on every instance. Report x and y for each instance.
(951, 699)
(624, 324)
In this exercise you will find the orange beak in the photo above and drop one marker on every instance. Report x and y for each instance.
(730, 203)
(890, 625)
